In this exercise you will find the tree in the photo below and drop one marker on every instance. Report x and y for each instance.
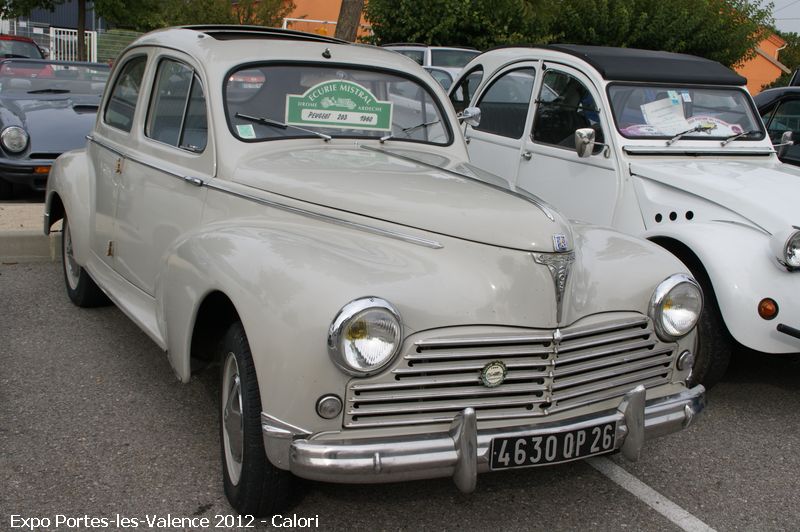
(349, 19)
(478, 23)
(723, 30)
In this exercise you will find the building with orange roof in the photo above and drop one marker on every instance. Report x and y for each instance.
(318, 17)
(765, 67)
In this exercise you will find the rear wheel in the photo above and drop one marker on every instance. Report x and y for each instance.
(252, 484)
(81, 288)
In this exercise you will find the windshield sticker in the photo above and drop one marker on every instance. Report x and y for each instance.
(339, 104)
(666, 115)
(673, 96)
(686, 97)
(715, 125)
(246, 131)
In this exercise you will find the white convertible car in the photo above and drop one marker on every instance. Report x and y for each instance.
(669, 147)
(301, 212)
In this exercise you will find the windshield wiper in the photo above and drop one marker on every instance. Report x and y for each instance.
(51, 90)
(410, 129)
(275, 123)
(707, 127)
(738, 136)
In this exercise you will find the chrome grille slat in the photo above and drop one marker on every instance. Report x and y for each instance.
(547, 371)
(660, 355)
(443, 393)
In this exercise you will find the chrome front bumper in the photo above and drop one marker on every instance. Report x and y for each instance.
(462, 452)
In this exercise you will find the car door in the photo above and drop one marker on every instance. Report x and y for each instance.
(105, 156)
(159, 200)
(495, 143)
(549, 166)
(785, 116)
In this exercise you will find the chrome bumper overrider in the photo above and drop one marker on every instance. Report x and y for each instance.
(463, 451)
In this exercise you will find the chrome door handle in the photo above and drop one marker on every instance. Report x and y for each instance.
(527, 155)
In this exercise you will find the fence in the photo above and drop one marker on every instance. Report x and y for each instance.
(64, 44)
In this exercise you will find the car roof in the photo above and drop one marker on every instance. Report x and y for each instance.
(4, 37)
(432, 47)
(632, 64)
(769, 96)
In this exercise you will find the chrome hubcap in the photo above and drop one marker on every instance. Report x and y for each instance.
(71, 267)
(232, 421)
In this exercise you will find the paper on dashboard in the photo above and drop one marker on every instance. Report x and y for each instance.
(666, 115)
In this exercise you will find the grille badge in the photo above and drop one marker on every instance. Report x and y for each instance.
(493, 374)
(559, 266)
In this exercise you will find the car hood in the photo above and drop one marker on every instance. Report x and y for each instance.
(763, 192)
(54, 124)
(410, 188)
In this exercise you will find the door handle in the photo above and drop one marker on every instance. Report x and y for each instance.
(526, 155)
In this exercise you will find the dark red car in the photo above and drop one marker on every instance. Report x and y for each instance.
(16, 46)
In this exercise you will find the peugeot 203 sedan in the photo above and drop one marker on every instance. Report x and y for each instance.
(665, 146)
(46, 108)
(302, 211)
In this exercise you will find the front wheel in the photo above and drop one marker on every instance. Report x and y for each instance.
(714, 344)
(81, 288)
(252, 484)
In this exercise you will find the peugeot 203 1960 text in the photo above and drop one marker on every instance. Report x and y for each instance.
(302, 211)
(661, 145)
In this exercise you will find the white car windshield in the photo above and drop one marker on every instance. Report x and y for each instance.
(273, 102)
(697, 113)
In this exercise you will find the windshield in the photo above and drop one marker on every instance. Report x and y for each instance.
(14, 48)
(41, 77)
(664, 111)
(452, 58)
(272, 102)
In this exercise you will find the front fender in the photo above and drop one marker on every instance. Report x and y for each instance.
(742, 271)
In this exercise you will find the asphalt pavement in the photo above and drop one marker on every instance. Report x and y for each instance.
(93, 424)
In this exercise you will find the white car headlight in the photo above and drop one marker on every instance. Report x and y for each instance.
(14, 139)
(365, 336)
(788, 253)
(676, 306)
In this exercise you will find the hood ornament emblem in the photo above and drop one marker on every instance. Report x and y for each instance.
(559, 265)
(560, 244)
(493, 374)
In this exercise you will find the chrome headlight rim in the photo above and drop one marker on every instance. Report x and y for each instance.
(791, 261)
(347, 315)
(655, 309)
(8, 135)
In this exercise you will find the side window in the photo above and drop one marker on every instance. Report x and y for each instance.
(177, 108)
(504, 105)
(465, 90)
(122, 102)
(565, 104)
(785, 118)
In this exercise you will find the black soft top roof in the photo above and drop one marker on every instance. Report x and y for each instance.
(631, 64)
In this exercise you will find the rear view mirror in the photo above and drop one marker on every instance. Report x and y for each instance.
(584, 141)
(471, 116)
(787, 139)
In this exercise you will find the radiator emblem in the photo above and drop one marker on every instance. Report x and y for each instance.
(493, 374)
(560, 243)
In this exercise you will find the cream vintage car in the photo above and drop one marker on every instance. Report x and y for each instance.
(302, 212)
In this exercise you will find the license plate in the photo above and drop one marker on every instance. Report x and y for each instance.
(529, 451)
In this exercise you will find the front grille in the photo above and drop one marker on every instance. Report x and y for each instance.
(548, 371)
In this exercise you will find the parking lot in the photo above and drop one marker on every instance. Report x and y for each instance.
(93, 423)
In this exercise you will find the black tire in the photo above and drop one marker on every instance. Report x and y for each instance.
(258, 488)
(6, 189)
(714, 344)
(81, 288)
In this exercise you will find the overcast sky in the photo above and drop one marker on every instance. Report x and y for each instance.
(787, 14)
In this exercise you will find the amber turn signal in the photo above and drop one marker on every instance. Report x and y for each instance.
(41, 169)
(767, 308)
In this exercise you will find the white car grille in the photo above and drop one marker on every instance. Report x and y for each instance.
(547, 371)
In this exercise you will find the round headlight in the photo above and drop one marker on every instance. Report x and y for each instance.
(676, 306)
(365, 336)
(791, 251)
(14, 139)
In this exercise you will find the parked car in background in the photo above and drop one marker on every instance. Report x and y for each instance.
(442, 76)
(780, 110)
(302, 212)
(46, 108)
(17, 46)
(669, 147)
(449, 58)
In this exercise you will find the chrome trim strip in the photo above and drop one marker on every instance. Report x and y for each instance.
(656, 150)
(559, 265)
(432, 244)
(742, 224)
(529, 198)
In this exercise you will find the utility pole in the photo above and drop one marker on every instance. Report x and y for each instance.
(349, 19)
